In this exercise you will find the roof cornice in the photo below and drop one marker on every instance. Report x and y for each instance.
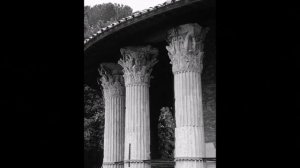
(134, 18)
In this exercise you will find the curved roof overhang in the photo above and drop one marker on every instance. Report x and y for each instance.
(149, 26)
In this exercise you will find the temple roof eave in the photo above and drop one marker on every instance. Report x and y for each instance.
(146, 27)
(135, 18)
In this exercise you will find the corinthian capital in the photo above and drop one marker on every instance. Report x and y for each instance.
(137, 63)
(185, 48)
(111, 79)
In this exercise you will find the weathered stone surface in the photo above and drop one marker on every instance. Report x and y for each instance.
(209, 111)
(111, 79)
(186, 53)
(185, 48)
(210, 150)
(114, 131)
(137, 66)
(208, 77)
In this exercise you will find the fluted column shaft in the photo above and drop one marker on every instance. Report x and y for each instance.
(137, 123)
(114, 131)
(137, 64)
(189, 131)
(185, 52)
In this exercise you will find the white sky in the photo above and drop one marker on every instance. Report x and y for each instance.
(136, 5)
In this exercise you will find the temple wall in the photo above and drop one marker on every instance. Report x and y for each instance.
(209, 104)
(209, 86)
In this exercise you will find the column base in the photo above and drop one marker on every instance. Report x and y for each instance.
(113, 165)
(190, 164)
(137, 164)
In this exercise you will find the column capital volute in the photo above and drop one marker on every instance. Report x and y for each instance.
(185, 48)
(111, 79)
(137, 63)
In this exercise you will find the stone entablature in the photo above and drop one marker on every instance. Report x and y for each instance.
(185, 48)
(137, 64)
(111, 79)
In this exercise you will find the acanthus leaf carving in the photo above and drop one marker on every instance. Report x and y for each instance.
(185, 48)
(111, 79)
(137, 63)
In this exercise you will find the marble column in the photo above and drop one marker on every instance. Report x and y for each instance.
(114, 100)
(185, 51)
(137, 63)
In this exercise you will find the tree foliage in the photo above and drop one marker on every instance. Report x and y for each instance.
(166, 134)
(102, 15)
(93, 128)
(93, 119)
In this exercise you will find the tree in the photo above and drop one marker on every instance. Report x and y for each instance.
(102, 15)
(93, 127)
(93, 119)
(122, 11)
(166, 134)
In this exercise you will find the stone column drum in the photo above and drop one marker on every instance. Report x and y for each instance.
(114, 131)
(185, 51)
(137, 65)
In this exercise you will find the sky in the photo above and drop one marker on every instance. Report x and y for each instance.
(136, 5)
